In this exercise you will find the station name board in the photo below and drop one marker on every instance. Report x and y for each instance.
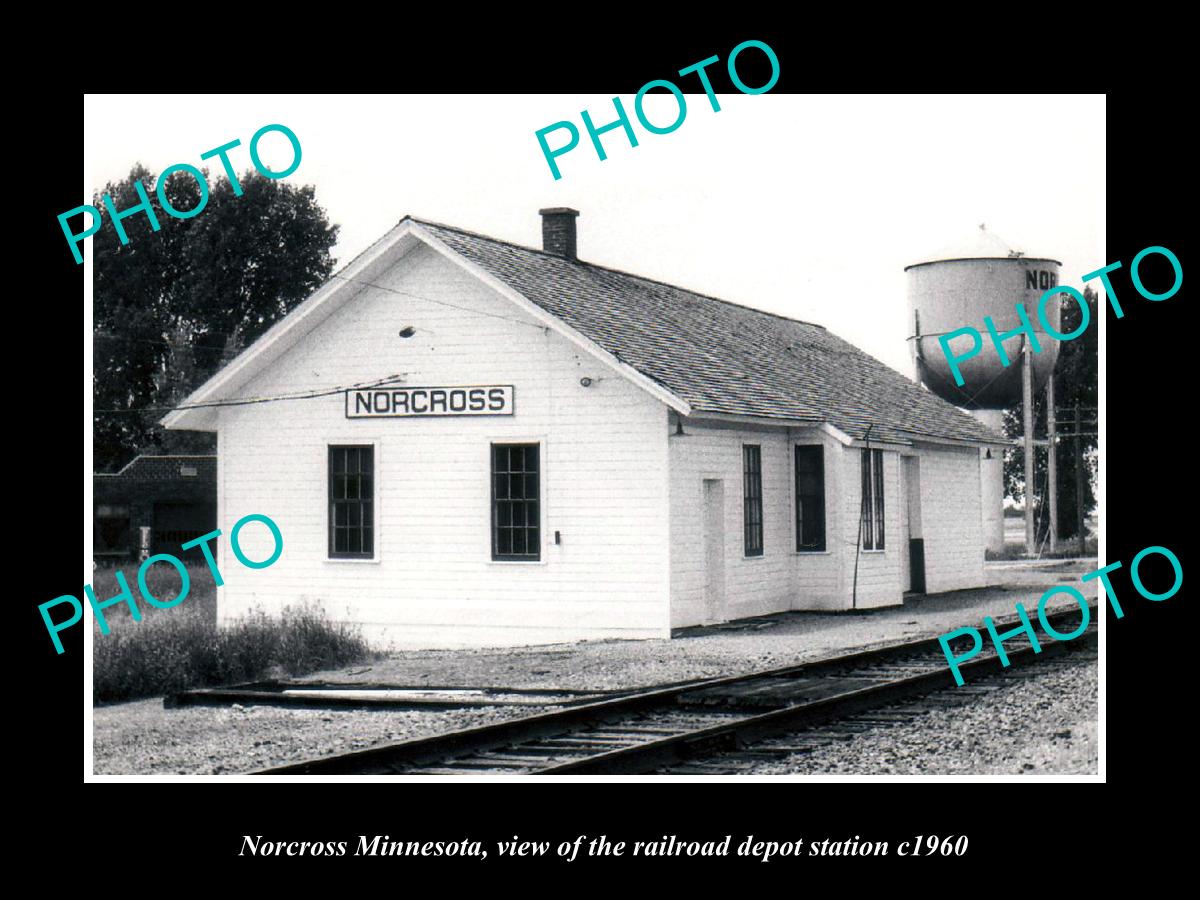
(468, 400)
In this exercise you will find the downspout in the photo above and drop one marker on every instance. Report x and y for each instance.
(862, 512)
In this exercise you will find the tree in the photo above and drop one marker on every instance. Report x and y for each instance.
(1075, 382)
(170, 306)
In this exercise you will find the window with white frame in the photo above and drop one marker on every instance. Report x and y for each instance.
(516, 502)
(872, 499)
(352, 502)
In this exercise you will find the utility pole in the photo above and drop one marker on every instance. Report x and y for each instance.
(1051, 464)
(1027, 402)
(1079, 475)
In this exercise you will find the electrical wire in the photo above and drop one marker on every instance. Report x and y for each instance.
(158, 342)
(391, 379)
(862, 515)
(163, 341)
(245, 401)
(468, 309)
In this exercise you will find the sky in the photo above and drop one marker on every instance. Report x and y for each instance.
(807, 206)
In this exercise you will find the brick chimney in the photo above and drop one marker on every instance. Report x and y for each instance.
(558, 231)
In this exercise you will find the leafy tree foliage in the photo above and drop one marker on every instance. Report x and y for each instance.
(171, 306)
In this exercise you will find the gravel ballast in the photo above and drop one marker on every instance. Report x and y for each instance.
(144, 738)
(1044, 724)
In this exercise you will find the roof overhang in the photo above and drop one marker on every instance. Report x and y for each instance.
(733, 420)
(953, 442)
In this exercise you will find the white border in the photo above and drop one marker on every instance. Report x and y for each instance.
(89, 777)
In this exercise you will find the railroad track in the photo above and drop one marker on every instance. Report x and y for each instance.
(672, 728)
(750, 758)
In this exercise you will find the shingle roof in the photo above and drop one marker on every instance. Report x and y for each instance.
(718, 356)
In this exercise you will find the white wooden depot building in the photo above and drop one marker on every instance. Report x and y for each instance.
(542, 449)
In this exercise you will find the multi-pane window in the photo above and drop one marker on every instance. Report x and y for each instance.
(352, 502)
(810, 498)
(516, 513)
(752, 498)
(872, 499)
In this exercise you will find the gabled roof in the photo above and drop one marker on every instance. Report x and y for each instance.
(699, 354)
(718, 356)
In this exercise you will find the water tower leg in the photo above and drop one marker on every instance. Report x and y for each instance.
(1027, 403)
(1052, 464)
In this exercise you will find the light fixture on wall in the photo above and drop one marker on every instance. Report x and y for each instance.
(407, 331)
(679, 432)
(585, 381)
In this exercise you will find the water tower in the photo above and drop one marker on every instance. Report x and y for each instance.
(956, 288)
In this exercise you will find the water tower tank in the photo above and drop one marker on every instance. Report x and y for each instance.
(955, 289)
(960, 287)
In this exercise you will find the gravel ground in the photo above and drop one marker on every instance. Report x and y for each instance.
(1039, 725)
(708, 652)
(143, 738)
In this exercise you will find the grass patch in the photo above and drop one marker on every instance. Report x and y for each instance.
(1070, 550)
(181, 648)
(162, 581)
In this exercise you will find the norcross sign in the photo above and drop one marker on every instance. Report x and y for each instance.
(467, 400)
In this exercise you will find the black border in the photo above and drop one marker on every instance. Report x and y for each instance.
(1027, 832)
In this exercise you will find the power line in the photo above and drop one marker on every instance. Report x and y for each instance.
(222, 346)
(391, 379)
(156, 341)
(245, 401)
(468, 309)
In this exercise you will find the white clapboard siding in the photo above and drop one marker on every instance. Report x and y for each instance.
(433, 583)
(780, 579)
(878, 571)
(951, 518)
(623, 491)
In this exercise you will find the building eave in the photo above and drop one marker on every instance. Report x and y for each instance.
(701, 417)
(341, 286)
(198, 411)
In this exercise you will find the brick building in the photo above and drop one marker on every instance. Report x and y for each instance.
(155, 503)
(531, 448)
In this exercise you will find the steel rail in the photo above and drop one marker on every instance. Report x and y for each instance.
(570, 720)
(739, 734)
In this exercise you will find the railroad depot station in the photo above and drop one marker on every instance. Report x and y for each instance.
(528, 448)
